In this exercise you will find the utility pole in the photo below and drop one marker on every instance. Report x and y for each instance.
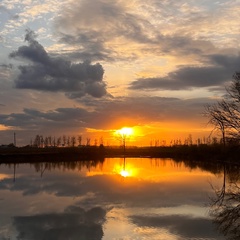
(14, 139)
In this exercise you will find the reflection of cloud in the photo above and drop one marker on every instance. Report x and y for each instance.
(73, 223)
(110, 189)
(57, 74)
(181, 225)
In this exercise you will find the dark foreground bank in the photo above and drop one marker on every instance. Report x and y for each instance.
(196, 152)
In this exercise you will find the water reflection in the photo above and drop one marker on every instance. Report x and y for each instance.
(187, 227)
(225, 206)
(159, 199)
(73, 223)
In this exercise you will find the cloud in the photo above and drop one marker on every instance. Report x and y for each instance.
(124, 31)
(8, 12)
(188, 77)
(99, 27)
(107, 114)
(5, 70)
(34, 119)
(6, 66)
(119, 32)
(57, 74)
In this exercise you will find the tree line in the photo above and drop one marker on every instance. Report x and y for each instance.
(189, 141)
(63, 141)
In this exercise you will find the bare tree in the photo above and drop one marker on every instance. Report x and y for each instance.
(64, 138)
(225, 114)
(59, 140)
(216, 118)
(68, 141)
(73, 141)
(88, 141)
(54, 141)
(50, 140)
(79, 140)
(123, 135)
(46, 142)
(37, 141)
(41, 141)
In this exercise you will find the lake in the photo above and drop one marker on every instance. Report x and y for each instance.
(115, 198)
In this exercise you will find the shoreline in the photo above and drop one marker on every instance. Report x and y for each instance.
(203, 153)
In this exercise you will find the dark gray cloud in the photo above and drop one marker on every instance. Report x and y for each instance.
(139, 110)
(34, 119)
(92, 47)
(186, 226)
(73, 223)
(6, 66)
(193, 77)
(142, 110)
(57, 74)
(104, 114)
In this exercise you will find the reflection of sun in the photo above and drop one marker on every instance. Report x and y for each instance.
(124, 173)
(124, 170)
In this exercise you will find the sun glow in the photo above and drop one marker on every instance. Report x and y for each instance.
(124, 173)
(125, 131)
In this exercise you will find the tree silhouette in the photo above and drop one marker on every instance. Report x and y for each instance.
(124, 134)
(79, 140)
(225, 114)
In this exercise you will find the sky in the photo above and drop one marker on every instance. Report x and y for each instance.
(91, 67)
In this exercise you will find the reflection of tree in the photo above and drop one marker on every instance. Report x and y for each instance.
(41, 167)
(68, 165)
(226, 207)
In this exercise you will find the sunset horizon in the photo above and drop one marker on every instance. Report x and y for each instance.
(90, 68)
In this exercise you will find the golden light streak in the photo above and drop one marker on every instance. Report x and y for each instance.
(3, 127)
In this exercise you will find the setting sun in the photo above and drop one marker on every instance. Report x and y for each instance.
(125, 131)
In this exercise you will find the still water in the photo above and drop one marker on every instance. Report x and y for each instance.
(116, 198)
